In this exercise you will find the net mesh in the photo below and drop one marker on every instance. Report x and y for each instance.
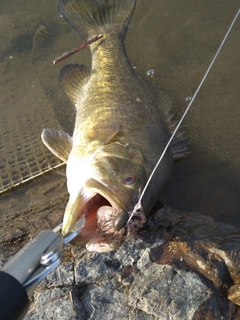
(24, 114)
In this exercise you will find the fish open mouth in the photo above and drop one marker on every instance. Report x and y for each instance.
(100, 215)
(101, 210)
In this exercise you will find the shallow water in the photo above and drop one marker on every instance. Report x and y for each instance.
(176, 39)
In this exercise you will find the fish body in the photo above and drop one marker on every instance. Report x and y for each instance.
(120, 131)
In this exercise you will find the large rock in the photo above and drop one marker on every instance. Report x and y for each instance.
(180, 266)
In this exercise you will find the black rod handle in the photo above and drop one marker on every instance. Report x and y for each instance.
(14, 300)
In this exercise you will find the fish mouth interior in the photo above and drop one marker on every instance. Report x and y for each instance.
(93, 226)
(93, 204)
(101, 212)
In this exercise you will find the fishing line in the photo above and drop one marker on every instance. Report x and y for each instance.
(138, 205)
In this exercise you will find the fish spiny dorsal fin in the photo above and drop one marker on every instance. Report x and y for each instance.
(89, 17)
(72, 78)
(180, 148)
(58, 142)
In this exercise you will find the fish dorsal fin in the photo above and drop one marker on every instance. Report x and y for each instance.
(58, 142)
(104, 132)
(72, 78)
(180, 148)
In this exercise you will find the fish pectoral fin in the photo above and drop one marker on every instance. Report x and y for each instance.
(72, 78)
(165, 106)
(111, 136)
(180, 148)
(58, 142)
(104, 133)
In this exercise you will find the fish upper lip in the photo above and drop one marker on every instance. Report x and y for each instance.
(105, 192)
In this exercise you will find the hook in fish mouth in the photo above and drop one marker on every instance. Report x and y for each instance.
(106, 220)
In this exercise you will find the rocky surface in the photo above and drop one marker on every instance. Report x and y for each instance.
(180, 266)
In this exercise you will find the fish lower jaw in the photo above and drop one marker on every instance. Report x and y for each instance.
(97, 245)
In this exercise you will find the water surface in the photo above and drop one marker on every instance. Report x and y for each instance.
(176, 39)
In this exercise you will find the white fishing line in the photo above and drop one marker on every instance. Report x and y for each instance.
(138, 205)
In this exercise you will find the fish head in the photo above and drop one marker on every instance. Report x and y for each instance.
(104, 186)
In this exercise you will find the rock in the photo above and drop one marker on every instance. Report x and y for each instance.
(120, 285)
(166, 293)
(234, 294)
(126, 284)
(182, 265)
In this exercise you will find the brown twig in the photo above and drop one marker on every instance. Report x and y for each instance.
(69, 53)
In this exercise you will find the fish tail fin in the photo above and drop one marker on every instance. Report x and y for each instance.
(91, 17)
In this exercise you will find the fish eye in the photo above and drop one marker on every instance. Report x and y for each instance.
(130, 180)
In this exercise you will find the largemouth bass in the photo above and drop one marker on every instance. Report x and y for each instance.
(120, 131)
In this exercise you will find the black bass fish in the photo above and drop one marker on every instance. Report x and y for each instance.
(120, 131)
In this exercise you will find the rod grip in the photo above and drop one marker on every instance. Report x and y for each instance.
(14, 300)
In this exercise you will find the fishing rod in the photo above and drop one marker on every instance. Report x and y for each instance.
(139, 205)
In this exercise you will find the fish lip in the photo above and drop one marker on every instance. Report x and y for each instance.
(105, 191)
(77, 206)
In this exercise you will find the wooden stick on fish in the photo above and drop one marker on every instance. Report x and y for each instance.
(69, 53)
(138, 206)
